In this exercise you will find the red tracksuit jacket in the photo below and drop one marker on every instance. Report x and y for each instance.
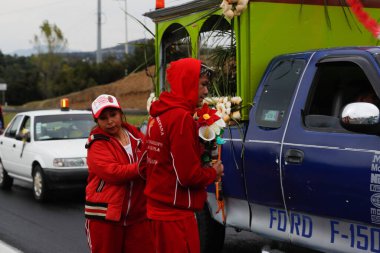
(115, 183)
(175, 177)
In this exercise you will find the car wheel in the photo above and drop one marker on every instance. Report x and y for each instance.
(40, 184)
(6, 181)
(211, 232)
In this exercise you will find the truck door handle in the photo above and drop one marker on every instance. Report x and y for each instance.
(14, 145)
(294, 156)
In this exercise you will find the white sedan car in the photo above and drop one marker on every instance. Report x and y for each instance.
(46, 148)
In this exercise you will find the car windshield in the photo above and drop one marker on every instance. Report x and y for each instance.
(63, 126)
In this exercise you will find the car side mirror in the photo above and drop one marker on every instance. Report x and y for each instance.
(24, 135)
(27, 137)
(361, 117)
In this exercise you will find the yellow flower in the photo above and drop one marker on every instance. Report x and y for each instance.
(206, 116)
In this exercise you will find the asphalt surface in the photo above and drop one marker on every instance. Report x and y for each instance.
(58, 226)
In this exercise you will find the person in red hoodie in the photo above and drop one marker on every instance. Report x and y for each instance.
(176, 180)
(2, 123)
(115, 207)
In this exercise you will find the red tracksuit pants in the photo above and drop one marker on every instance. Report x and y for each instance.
(180, 236)
(108, 237)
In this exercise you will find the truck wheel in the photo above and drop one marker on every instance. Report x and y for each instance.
(211, 232)
(40, 189)
(6, 181)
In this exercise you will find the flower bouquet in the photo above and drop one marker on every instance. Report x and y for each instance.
(228, 107)
(211, 127)
(210, 132)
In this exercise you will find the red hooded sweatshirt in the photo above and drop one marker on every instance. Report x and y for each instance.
(176, 181)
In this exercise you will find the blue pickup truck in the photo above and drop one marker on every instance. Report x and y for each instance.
(298, 171)
(304, 168)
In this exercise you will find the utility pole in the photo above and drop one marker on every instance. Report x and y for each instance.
(126, 27)
(99, 23)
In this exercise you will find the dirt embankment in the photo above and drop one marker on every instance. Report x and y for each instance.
(132, 93)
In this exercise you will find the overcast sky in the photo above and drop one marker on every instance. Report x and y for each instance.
(20, 21)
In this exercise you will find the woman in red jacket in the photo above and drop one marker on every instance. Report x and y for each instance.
(115, 208)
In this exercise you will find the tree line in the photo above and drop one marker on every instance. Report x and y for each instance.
(52, 73)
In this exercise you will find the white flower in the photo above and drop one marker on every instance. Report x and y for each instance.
(226, 118)
(236, 115)
(208, 100)
(217, 126)
(220, 122)
(236, 100)
(215, 129)
(225, 6)
(221, 108)
(229, 14)
(151, 99)
(243, 2)
(233, 8)
(237, 13)
(240, 8)
(206, 133)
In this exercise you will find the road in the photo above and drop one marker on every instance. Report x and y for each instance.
(31, 227)
(58, 226)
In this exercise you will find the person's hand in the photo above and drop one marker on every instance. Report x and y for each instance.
(219, 168)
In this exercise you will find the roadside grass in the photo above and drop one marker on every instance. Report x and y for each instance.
(8, 116)
(136, 120)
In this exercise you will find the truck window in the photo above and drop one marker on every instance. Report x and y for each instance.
(335, 85)
(277, 92)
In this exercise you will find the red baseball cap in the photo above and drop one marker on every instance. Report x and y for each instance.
(102, 102)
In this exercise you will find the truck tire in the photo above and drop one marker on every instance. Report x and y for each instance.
(211, 232)
(6, 181)
(40, 184)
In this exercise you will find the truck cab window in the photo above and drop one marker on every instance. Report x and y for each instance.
(278, 91)
(335, 85)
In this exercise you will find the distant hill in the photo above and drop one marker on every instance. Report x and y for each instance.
(117, 51)
(132, 93)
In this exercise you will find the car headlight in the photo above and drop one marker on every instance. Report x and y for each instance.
(69, 162)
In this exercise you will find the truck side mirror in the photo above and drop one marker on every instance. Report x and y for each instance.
(361, 117)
